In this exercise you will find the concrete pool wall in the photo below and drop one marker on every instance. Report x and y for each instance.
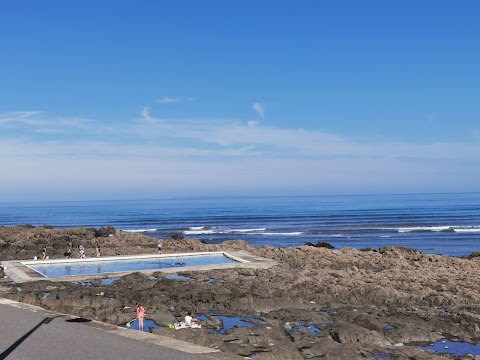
(19, 270)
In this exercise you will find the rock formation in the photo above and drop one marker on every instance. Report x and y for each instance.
(331, 304)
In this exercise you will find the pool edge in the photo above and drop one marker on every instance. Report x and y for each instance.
(19, 271)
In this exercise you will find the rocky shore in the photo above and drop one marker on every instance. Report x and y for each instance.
(317, 303)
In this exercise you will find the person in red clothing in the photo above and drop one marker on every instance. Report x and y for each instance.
(140, 315)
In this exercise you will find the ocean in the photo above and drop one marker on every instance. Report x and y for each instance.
(447, 224)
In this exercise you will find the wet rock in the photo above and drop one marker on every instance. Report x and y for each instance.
(105, 231)
(321, 244)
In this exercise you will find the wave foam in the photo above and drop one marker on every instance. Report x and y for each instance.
(425, 228)
(470, 230)
(197, 228)
(140, 230)
(202, 230)
(462, 229)
(283, 234)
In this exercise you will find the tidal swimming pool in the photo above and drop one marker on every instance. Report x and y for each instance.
(63, 268)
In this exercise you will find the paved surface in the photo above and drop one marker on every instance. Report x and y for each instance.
(29, 332)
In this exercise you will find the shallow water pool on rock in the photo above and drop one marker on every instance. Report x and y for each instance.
(109, 281)
(147, 325)
(83, 283)
(229, 322)
(212, 280)
(202, 317)
(456, 348)
(379, 355)
(312, 329)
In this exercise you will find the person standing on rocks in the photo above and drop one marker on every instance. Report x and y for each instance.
(160, 248)
(140, 316)
(44, 253)
(81, 249)
(68, 253)
(98, 250)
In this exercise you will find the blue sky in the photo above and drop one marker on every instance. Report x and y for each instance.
(148, 99)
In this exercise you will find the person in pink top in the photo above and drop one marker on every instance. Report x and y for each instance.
(140, 315)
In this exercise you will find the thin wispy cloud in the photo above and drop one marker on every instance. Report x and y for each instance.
(219, 152)
(146, 113)
(280, 142)
(37, 122)
(217, 137)
(259, 108)
(169, 100)
(17, 116)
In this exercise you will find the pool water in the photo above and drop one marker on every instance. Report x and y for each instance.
(99, 267)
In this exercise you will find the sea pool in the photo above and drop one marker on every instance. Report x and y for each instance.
(62, 268)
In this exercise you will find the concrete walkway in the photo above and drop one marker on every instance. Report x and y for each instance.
(29, 332)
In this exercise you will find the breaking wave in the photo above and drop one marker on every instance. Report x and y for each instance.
(446, 228)
(254, 231)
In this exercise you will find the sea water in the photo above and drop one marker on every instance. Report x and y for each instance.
(446, 224)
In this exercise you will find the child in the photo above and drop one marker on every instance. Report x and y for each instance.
(140, 316)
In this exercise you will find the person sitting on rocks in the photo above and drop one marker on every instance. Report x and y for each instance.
(189, 320)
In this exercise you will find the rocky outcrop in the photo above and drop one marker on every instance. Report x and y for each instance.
(332, 304)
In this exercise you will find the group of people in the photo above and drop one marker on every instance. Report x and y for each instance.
(68, 252)
(188, 322)
(44, 255)
(81, 251)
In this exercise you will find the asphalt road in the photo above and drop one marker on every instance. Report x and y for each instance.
(32, 333)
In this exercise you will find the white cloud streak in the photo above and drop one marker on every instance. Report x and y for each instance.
(259, 108)
(169, 100)
(17, 116)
